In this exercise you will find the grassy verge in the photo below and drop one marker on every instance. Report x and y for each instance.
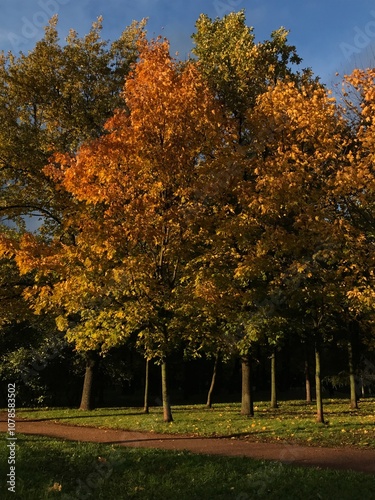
(292, 422)
(50, 468)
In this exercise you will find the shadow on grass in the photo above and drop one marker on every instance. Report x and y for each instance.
(100, 472)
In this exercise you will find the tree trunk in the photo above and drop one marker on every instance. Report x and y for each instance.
(307, 381)
(145, 405)
(87, 399)
(307, 374)
(318, 387)
(273, 380)
(246, 399)
(353, 395)
(210, 391)
(167, 413)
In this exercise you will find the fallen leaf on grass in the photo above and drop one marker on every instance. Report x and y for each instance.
(55, 487)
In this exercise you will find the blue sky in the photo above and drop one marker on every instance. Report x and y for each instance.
(330, 35)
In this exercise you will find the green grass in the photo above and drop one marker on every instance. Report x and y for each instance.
(49, 468)
(293, 422)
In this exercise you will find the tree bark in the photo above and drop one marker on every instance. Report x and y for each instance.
(307, 381)
(213, 379)
(273, 380)
(167, 413)
(145, 405)
(318, 387)
(247, 407)
(87, 399)
(353, 395)
(307, 373)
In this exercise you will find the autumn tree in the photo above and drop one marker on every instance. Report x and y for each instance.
(28, 344)
(144, 175)
(353, 188)
(205, 308)
(52, 99)
(73, 283)
(237, 68)
(238, 71)
(300, 141)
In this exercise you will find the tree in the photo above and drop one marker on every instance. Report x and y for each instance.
(143, 177)
(353, 188)
(299, 139)
(52, 100)
(238, 71)
(273, 380)
(13, 307)
(146, 393)
(213, 380)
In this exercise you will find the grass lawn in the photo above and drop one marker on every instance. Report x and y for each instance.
(293, 422)
(49, 468)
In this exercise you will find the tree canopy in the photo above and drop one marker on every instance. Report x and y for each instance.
(214, 204)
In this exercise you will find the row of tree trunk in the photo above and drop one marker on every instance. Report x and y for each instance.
(247, 405)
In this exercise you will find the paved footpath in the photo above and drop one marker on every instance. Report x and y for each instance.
(334, 458)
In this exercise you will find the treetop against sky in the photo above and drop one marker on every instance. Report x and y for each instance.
(330, 36)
